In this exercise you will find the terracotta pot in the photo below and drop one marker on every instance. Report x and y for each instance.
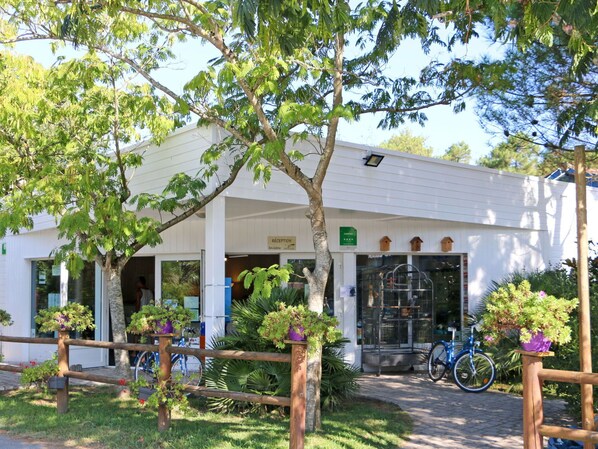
(538, 343)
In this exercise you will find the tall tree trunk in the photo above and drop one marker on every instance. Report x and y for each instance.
(117, 314)
(317, 286)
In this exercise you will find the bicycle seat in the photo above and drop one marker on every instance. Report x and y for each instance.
(452, 329)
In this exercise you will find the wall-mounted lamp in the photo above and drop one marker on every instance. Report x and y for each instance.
(373, 160)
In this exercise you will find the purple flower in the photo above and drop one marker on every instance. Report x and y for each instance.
(542, 294)
(489, 338)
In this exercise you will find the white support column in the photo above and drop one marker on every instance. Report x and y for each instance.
(213, 302)
(352, 350)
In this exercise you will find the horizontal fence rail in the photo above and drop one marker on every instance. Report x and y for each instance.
(297, 359)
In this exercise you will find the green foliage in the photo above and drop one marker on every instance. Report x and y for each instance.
(406, 142)
(458, 152)
(264, 280)
(38, 374)
(5, 318)
(71, 317)
(317, 328)
(516, 308)
(172, 394)
(338, 378)
(151, 318)
(517, 155)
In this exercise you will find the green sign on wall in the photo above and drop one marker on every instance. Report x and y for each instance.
(348, 236)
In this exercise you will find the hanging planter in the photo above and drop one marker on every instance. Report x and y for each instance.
(297, 333)
(164, 327)
(167, 319)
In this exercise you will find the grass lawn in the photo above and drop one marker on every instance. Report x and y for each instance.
(97, 420)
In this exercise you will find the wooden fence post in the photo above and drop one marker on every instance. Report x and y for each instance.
(298, 393)
(533, 409)
(164, 380)
(62, 395)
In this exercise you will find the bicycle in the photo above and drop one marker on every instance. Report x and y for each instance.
(473, 371)
(187, 368)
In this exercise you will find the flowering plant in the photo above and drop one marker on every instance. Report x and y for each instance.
(150, 319)
(71, 317)
(515, 308)
(37, 374)
(317, 328)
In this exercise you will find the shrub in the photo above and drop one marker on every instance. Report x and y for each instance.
(5, 318)
(37, 374)
(339, 380)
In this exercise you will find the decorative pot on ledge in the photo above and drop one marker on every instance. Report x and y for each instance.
(538, 343)
(297, 333)
(164, 328)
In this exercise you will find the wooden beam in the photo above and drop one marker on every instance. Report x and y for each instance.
(583, 290)
(533, 413)
(112, 345)
(237, 355)
(569, 434)
(298, 394)
(573, 377)
(62, 395)
(35, 340)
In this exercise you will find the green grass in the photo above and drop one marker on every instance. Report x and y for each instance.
(96, 419)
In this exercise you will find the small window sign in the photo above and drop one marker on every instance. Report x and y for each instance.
(282, 242)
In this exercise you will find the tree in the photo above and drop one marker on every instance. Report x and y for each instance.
(458, 152)
(517, 155)
(275, 83)
(61, 137)
(406, 142)
(538, 93)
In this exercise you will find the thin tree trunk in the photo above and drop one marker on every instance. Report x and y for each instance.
(117, 314)
(317, 286)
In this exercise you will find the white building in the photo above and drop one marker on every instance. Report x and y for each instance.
(498, 223)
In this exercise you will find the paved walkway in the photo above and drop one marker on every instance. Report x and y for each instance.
(444, 417)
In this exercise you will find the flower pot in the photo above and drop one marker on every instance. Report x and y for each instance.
(538, 343)
(164, 328)
(296, 333)
(57, 383)
(145, 393)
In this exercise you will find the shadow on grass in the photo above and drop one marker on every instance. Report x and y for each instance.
(97, 420)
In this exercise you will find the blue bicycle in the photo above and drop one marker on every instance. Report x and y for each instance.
(473, 371)
(187, 368)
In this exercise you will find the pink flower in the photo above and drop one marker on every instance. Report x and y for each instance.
(33, 363)
(142, 401)
(489, 338)
(542, 294)
(122, 382)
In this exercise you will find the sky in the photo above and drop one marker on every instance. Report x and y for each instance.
(442, 128)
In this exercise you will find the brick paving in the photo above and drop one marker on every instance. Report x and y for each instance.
(444, 417)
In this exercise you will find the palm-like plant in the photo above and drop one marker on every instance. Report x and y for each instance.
(339, 380)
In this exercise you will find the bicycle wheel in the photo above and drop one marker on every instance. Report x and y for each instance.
(188, 369)
(474, 372)
(144, 367)
(437, 361)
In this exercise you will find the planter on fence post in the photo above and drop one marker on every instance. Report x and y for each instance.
(62, 395)
(164, 340)
(298, 393)
(533, 411)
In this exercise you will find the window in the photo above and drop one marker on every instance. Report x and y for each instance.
(181, 283)
(47, 278)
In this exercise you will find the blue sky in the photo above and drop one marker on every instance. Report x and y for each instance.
(442, 129)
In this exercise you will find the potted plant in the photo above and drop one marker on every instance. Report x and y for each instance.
(5, 318)
(71, 317)
(299, 323)
(42, 375)
(162, 319)
(539, 318)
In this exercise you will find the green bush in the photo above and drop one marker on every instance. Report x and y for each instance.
(37, 374)
(71, 317)
(339, 380)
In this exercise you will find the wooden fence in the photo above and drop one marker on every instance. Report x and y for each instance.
(534, 429)
(297, 359)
